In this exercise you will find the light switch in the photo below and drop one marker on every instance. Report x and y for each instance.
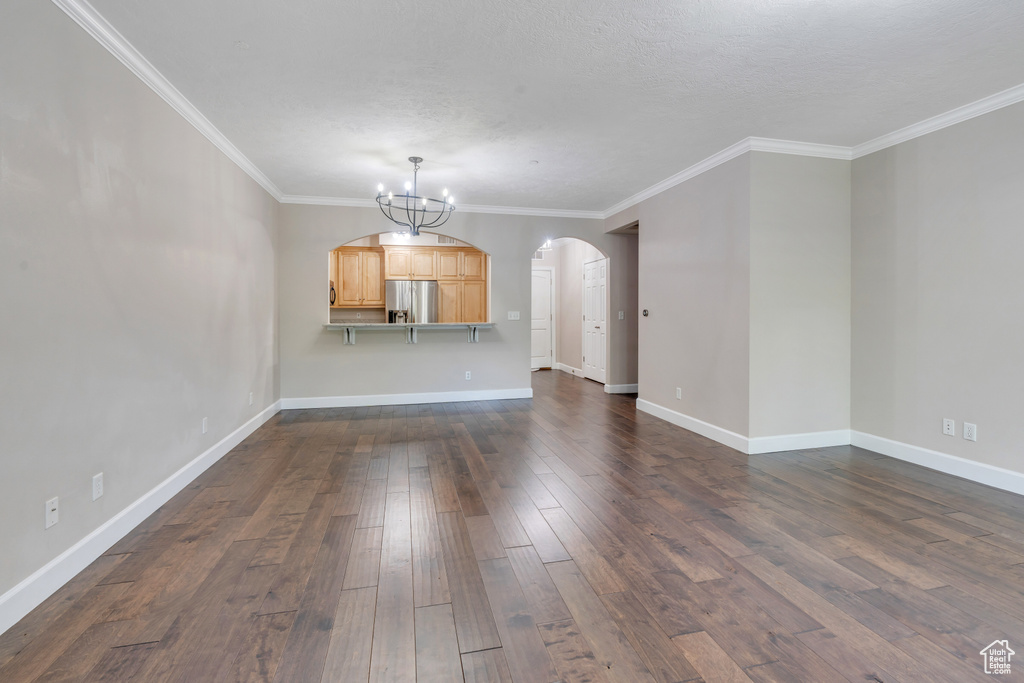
(513, 315)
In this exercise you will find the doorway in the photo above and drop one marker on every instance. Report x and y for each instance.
(570, 299)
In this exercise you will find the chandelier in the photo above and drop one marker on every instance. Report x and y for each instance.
(411, 211)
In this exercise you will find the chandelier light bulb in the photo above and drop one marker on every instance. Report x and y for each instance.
(390, 196)
(408, 186)
(444, 192)
(380, 188)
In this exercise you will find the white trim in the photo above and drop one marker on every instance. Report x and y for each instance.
(30, 593)
(576, 372)
(403, 399)
(728, 154)
(796, 442)
(621, 388)
(960, 114)
(461, 208)
(722, 436)
(803, 149)
(990, 475)
(743, 444)
(716, 159)
(86, 16)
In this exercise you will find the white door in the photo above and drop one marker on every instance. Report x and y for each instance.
(541, 320)
(595, 323)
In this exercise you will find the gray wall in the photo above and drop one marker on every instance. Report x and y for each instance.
(694, 245)
(799, 294)
(137, 285)
(315, 362)
(938, 289)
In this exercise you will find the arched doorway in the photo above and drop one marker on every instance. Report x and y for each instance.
(569, 309)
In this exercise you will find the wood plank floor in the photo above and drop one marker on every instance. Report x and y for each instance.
(564, 538)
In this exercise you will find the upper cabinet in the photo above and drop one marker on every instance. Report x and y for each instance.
(358, 275)
(409, 263)
(461, 264)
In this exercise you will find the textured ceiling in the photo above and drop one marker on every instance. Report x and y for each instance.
(554, 104)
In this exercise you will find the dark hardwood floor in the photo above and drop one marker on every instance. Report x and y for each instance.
(564, 538)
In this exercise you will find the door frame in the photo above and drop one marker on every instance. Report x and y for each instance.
(553, 306)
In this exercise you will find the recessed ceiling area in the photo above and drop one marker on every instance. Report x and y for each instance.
(559, 105)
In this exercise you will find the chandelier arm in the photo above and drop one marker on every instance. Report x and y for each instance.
(439, 220)
(391, 217)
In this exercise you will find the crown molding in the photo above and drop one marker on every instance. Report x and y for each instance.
(526, 211)
(803, 149)
(806, 149)
(86, 16)
(717, 159)
(328, 201)
(461, 208)
(960, 114)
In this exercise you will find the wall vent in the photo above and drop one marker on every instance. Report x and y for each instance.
(445, 239)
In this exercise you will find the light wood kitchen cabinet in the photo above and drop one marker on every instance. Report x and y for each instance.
(359, 277)
(461, 264)
(409, 263)
(461, 301)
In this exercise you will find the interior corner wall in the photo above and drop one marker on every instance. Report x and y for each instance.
(799, 295)
(137, 284)
(938, 289)
(694, 247)
(317, 368)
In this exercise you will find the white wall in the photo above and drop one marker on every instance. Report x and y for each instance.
(799, 295)
(137, 288)
(315, 364)
(694, 251)
(938, 289)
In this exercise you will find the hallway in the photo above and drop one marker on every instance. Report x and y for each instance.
(563, 538)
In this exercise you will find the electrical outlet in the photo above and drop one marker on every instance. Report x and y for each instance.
(359, 316)
(97, 485)
(469, 375)
(970, 431)
(250, 398)
(948, 427)
(679, 393)
(205, 425)
(52, 513)
(622, 315)
(513, 315)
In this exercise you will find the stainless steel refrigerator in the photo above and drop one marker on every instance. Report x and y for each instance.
(411, 301)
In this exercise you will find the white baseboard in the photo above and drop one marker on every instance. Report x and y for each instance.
(570, 369)
(621, 388)
(27, 595)
(796, 442)
(403, 399)
(722, 436)
(996, 477)
(743, 444)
